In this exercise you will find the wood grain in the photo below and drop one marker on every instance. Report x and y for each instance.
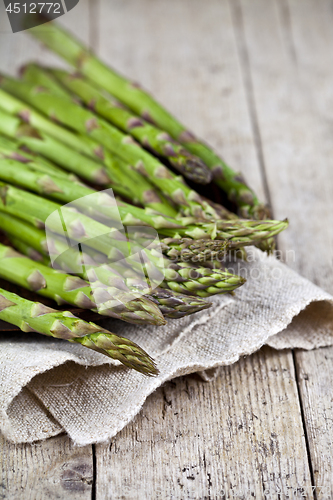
(50, 469)
(175, 448)
(290, 50)
(315, 374)
(237, 437)
(191, 68)
(255, 80)
(310, 27)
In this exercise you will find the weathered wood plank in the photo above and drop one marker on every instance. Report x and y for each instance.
(216, 442)
(19, 48)
(295, 139)
(311, 31)
(184, 53)
(290, 46)
(315, 375)
(49, 469)
(238, 437)
(14, 48)
(193, 448)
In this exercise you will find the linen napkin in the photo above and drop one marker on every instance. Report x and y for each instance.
(50, 386)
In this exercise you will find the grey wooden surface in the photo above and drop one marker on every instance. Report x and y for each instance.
(255, 79)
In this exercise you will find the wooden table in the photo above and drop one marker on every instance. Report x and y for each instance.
(254, 78)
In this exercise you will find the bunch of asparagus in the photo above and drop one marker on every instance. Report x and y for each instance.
(69, 142)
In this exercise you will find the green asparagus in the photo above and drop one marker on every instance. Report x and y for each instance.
(113, 244)
(54, 150)
(237, 232)
(32, 242)
(152, 138)
(36, 317)
(67, 289)
(127, 181)
(38, 75)
(186, 249)
(86, 122)
(137, 99)
(25, 247)
(12, 149)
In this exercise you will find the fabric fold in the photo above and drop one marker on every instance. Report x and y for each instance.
(65, 387)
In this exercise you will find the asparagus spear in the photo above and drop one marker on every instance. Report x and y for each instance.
(119, 187)
(37, 75)
(54, 150)
(186, 249)
(31, 177)
(19, 230)
(36, 163)
(176, 305)
(267, 245)
(221, 211)
(79, 227)
(172, 305)
(12, 149)
(152, 138)
(139, 189)
(201, 281)
(185, 278)
(85, 122)
(64, 44)
(28, 114)
(237, 232)
(25, 248)
(32, 242)
(66, 289)
(110, 242)
(35, 317)
(126, 181)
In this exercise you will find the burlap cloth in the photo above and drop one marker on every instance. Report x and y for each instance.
(50, 386)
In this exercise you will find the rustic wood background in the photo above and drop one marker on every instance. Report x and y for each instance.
(255, 79)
